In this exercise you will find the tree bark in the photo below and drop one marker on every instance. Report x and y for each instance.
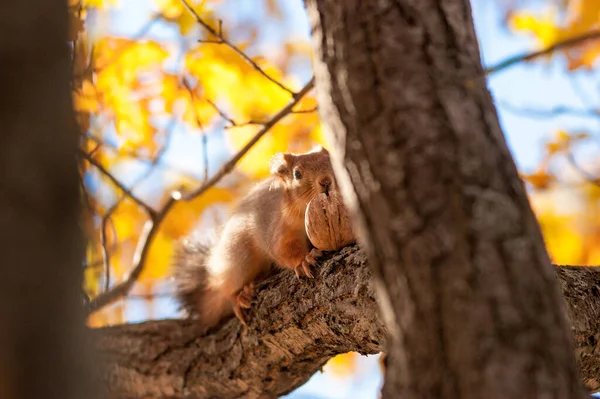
(42, 354)
(465, 283)
(294, 328)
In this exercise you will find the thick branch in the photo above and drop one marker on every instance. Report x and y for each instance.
(294, 328)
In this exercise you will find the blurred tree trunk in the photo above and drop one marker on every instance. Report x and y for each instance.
(465, 283)
(42, 354)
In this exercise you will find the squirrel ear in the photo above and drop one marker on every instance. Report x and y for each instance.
(281, 163)
(319, 148)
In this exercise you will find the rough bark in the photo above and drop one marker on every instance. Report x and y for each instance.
(42, 354)
(294, 328)
(466, 285)
(581, 290)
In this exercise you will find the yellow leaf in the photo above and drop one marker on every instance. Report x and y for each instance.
(577, 18)
(100, 4)
(342, 365)
(159, 257)
(540, 180)
(174, 10)
(563, 242)
(128, 220)
(543, 28)
(224, 74)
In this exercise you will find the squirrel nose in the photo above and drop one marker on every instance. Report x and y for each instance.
(325, 184)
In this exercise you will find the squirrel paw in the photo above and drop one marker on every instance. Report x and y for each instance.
(242, 300)
(309, 260)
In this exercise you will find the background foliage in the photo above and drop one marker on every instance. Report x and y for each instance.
(167, 91)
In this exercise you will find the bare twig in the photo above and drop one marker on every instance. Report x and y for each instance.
(205, 154)
(251, 122)
(158, 295)
(221, 113)
(550, 112)
(584, 173)
(104, 245)
(222, 40)
(151, 227)
(117, 183)
(592, 35)
(305, 111)
(143, 158)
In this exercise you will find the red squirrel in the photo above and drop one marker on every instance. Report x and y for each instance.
(265, 228)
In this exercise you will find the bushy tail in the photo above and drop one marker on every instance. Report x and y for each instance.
(195, 296)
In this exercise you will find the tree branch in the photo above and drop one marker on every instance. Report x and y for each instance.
(117, 183)
(592, 35)
(549, 112)
(295, 326)
(584, 173)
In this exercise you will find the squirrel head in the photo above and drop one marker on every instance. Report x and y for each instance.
(304, 175)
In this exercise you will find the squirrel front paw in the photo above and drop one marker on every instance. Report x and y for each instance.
(309, 260)
(243, 300)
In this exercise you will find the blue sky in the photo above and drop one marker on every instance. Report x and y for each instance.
(522, 86)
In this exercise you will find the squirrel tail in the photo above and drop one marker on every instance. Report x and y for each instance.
(195, 296)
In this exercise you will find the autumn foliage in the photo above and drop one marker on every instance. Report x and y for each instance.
(194, 74)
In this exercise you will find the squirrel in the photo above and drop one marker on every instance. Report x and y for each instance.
(265, 228)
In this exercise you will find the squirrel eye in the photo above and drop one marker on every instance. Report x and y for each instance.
(297, 175)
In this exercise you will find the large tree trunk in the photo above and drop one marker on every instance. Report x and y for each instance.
(466, 286)
(41, 351)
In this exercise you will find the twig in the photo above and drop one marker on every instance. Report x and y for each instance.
(151, 227)
(158, 295)
(104, 245)
(221, 113)
(117, 183)
(222, 40)
(586, 175)
(205, 154)
(592, 35)
(193, 99)
(143, 158)
(549, 113)
(305, 111)
(251, 122)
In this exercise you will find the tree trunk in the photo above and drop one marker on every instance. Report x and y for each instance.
(42, 321)
(466, 286)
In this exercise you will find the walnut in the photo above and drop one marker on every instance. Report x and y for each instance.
(327, 222)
